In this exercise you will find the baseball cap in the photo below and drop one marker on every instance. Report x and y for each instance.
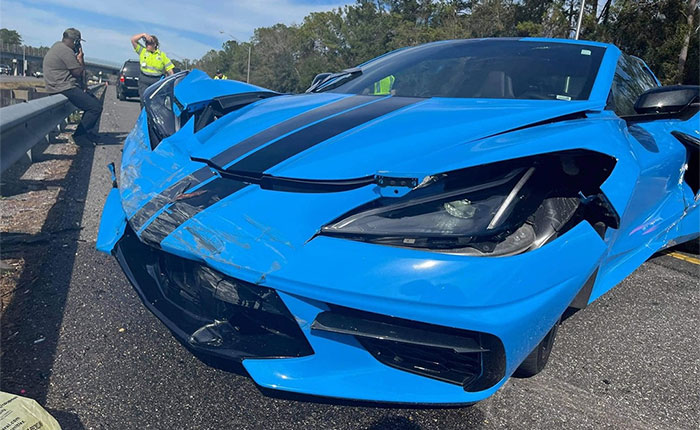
(72, 33)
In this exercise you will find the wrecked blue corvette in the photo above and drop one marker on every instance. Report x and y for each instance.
(410, 230)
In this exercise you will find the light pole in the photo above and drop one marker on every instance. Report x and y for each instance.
(580, 19)
(250, 47)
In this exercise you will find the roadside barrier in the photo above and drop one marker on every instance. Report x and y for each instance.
(24, 125)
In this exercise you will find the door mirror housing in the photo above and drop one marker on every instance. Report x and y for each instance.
(677, 101)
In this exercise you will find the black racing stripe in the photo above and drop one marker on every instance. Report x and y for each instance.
(187, 206)
(308, 137)
(274, 132)
(168, 195)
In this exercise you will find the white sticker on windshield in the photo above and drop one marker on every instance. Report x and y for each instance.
(560, 97)
(585, 52)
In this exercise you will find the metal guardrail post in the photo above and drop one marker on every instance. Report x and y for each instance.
(24, 125)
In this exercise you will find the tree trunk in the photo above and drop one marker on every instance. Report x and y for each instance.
(603, 18)
(686, 40)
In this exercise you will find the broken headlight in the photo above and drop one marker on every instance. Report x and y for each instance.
(496, 209)
(161, 107)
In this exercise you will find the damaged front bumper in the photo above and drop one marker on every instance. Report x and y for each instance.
(392, 347)
(210, 312)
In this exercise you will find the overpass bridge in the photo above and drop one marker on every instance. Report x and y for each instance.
(14, 55)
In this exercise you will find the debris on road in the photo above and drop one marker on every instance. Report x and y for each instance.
(22, 413)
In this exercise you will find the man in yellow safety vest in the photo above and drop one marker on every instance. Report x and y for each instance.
(154, 63)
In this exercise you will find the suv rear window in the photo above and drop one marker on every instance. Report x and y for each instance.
(131, 68)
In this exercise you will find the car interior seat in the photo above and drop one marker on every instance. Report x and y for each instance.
(496, 85)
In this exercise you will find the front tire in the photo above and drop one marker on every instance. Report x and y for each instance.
(538, 358)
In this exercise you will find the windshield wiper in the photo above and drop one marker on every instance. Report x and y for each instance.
(296, 185)
(336, 79)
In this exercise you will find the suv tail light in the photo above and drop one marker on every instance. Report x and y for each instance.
(121, 78)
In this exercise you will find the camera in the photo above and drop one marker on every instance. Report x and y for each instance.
(76, 46)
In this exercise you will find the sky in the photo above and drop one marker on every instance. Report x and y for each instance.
(186, 29)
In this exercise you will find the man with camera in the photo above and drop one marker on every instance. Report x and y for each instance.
(154, 63)
(64, 70)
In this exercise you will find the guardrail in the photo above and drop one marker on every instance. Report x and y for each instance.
(24, 125)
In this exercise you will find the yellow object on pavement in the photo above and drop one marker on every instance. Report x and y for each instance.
(21, 413)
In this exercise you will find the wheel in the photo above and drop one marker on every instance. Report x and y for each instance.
(535, 362)
(120, 95)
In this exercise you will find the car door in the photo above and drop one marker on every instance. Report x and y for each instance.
(660, 197)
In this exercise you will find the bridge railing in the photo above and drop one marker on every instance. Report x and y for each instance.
(24, 125)
(22, 49)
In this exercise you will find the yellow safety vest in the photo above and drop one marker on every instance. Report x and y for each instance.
(383, 86)
(153, 63)
(222, 77)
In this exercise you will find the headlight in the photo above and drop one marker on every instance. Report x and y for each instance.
(496, 209)
(160, 104)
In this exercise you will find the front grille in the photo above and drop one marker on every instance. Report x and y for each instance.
(471, 359)
(207, 310)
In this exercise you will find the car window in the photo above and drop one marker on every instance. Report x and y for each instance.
(131, 68)
(632, 78)
(503, 69)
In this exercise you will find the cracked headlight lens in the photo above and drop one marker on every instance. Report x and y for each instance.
(500, 208)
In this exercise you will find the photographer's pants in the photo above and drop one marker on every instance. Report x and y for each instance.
(88, 103)
(146, 81)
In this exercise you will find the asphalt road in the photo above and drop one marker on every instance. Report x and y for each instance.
(628, 361)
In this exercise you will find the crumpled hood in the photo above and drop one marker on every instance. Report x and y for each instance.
(327, 137)
(369, 136)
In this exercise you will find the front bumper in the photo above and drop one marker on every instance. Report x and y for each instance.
(207, 311)
(296, 355)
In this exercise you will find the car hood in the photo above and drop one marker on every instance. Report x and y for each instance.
(381, 135)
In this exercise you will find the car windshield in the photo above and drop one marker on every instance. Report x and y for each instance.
(502, 69)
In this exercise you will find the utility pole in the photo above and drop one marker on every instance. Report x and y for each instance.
(250, 48)
(580, 19)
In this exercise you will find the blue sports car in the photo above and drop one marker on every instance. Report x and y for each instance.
(409, 230)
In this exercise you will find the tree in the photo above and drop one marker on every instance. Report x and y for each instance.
(10, 37)
(286, 58)
(689, 31)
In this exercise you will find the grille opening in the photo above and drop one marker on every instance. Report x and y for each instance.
(207, 310)
(471, 359)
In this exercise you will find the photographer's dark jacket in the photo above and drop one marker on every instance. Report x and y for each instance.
(58, 62)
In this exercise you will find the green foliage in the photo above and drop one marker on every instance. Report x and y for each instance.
(286, 58)
(10, 36)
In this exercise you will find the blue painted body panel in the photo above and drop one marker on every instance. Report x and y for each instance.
(197, 87)
(270, 237)
(112, 223)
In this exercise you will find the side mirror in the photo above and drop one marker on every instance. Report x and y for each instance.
(675, 101)
(318, 78)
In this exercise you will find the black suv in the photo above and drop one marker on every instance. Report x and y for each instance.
(128, 85)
